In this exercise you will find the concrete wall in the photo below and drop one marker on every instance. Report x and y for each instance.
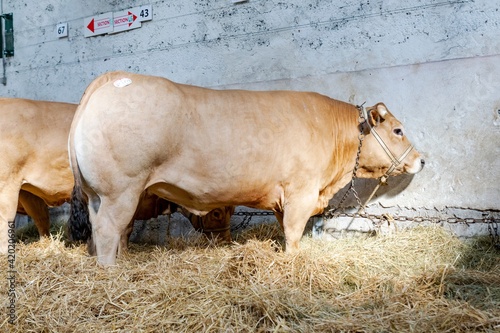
(436, 65)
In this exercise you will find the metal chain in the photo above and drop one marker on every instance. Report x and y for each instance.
(420, 219)
(330, 212)
(492, 222)
(247, 218)
(378, 219)
(493, 230)
(258, 213)
(351, 188)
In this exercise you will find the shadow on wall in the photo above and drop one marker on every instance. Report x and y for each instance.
(365, 187)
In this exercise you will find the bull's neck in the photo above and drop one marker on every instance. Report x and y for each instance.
(345, 148)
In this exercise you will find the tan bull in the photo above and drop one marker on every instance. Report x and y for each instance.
(34, 168)
(285, 151)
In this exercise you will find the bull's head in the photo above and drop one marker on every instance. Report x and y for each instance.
(386, 149)
(216, 223)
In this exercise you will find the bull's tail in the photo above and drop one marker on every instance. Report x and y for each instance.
(79, 227)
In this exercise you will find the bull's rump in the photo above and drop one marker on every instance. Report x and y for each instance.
(206, 148)
(34, 146)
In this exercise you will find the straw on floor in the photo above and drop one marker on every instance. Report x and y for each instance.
(421, 280)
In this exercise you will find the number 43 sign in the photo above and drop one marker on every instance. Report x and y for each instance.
(145, 13)
(111, 22)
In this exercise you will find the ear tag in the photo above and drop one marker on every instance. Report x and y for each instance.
(122, 82)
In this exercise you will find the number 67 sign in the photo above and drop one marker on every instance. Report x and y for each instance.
(62, 30)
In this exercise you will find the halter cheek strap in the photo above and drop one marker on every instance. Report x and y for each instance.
(395, 161)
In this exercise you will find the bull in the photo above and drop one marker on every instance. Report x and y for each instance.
(35, 172)
(284, 151)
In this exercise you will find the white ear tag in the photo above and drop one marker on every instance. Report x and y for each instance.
(122, 82)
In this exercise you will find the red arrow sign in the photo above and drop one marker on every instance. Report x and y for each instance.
(99, 24)
(91, 25)
(133, 18)
(114, 22)
(125, 20)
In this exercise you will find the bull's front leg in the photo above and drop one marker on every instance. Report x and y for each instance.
(8, 209)
(296, 213)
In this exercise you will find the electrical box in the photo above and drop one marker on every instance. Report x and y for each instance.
(8, 33)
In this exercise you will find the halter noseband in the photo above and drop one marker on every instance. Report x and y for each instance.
(395, 161)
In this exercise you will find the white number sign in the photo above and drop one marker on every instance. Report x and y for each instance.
(62, 30)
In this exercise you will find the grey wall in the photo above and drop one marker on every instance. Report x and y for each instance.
(436, 65)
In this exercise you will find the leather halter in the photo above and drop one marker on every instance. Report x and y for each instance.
(395, 161)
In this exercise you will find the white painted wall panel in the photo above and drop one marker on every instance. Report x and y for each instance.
(436, 64)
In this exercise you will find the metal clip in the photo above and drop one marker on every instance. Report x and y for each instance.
(383, 180)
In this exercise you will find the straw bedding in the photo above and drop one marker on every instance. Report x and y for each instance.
(421, 280)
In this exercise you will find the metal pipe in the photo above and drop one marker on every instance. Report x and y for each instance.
(4, 45)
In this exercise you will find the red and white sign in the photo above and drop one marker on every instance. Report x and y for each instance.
(118, 21)
(125, 20)
(98, 25)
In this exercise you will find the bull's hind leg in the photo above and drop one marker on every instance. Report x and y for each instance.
(8, 209)
(123, 247)
(279, 217)
(110, 225)
(295, 216)
(37, 209)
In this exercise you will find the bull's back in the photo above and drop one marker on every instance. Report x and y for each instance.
(209, 121)
(35, 123)
(204, 140)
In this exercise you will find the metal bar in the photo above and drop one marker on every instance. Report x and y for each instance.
(4, 46)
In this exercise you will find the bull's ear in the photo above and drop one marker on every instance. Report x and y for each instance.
(382, 110)
(376, 114)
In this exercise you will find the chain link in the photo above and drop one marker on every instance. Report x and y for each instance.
(247, 218)
(418, 219)
(377, 219)
(493, 230)
(257, 213)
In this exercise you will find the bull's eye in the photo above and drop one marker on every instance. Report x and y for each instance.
(398, 132)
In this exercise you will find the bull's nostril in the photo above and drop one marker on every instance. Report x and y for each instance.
(422, 161)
